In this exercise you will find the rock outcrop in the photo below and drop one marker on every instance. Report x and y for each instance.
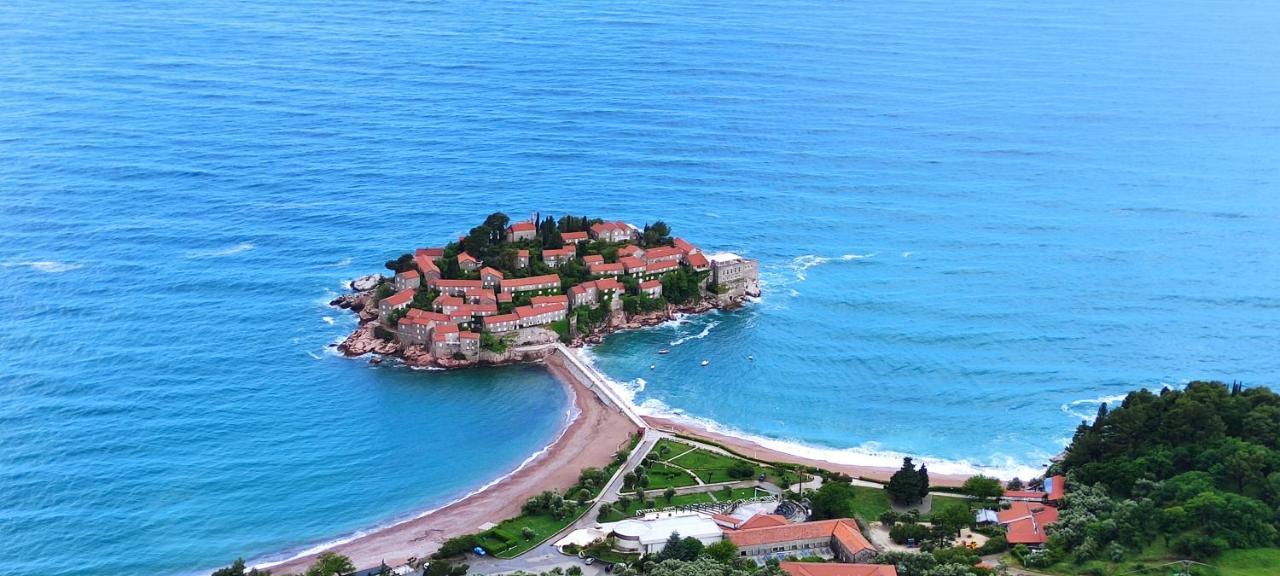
(366, 283)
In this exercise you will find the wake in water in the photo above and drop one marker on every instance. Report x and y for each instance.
(700, 335)
(238, 248)
(46, 266)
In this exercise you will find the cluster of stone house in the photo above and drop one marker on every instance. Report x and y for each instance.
(1029, 512)
(464, 304)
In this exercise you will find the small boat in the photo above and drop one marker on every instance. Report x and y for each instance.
(652, 366)
(664, 351)
(705, 362)
(751, 357)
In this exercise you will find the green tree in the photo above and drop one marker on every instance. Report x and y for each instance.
(329, 564)
(904, 485)
(669, 494)
(983, 488)
(724, 551)
(951, 519)
(832, 500)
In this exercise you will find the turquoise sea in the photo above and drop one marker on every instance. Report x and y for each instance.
(975, 221)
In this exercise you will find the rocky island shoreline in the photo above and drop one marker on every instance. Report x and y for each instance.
(508, 291)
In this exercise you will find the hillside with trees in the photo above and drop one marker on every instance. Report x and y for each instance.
(1194, 471)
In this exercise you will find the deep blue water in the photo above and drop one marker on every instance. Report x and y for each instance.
(974, 221)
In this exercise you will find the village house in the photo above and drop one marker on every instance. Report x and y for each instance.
(538, 315)
(698, 261)
(1055, 487)
(522, 259)
(456, 287)
(447, 304)
(415, 327)
(490, 277)
(501, 323)
(590, 293)
(555, 257)
(837, 569)
(467, 262)
(573, 237)
(551, 300)
(431, 253)
(632, 265)
(733, 273)
(661, 267)
(613, 231)
(426, 267)
(395, 301)
(590, 259)
(649, 535)
(630, 250)
(447, 340)
(613, 269)
(1025, 522)
(651, 288)
(520, 231)
(831, 539)
(685, 247)
(663, 254)
(479, 296)
(546, 282)
(407, 280)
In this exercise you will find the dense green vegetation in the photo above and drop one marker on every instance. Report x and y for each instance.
(908, 485)
(1196, 471)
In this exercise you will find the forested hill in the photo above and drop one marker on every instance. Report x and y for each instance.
(1198, 469)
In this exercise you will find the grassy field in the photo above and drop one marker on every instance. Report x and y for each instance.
(662, 476)
(678, 500)
(506, 539)
(1255, 562)
(943, 502)
(711, 467)
(870, 503)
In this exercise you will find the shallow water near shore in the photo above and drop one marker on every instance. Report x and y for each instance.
(975, 222)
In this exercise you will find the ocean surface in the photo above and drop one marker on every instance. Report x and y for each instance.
(975, 221)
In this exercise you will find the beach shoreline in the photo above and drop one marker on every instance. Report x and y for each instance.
(595, 433)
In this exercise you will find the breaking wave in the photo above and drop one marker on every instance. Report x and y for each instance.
(238, 248)
(46, 266)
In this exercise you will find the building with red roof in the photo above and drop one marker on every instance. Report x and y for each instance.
(447, 303)
(490, 277)
(698, 261)
(521, 231)
(395, 301)
(837, 569)
(1055, 487)
(651, 288)
(632, 265)
(661, 267)
(1025, 522)
(618, 231)
(613, 269)
(430, 253)
(549, 283)
(631, 250)
(839, 539)
(684, 246)
(573, 237)
(557, 256)
(448, 340)
(590, 259)
(522, 258)
(539, 315)
(551, 300)
(427, 267)
(663, 254)
(764, 521)
(407, 280)
(468, 262)
(415, 327)
(456, 287)
(591, 292)
(501, 323)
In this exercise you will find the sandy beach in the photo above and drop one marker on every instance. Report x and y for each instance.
(596, 432)
(758, 452)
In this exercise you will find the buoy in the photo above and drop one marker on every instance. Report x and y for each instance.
(705, 362)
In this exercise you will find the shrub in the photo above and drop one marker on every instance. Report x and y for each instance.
(900, 533)
(457, 546)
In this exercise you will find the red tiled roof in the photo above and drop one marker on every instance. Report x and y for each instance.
(444, 329)
(684, 245)
(605, 268)
(609, 226)
(458, 284)
(464, 257)
(590, 259)
(468, 335)
(697, 260)
(837, 569)
(549, 300)
(523, 227)
(661, 252)
(608, 284)
(502, 319)
(447, 300)
(408, 274)
(401, 297)
(1057, 487)
(531, 281)
(663, 266)
(522, 253)
(844, 530)
(631, 263)
(504, 297)
(650, 284)
(489, 271)
(559, 252)
(573, 236)
(764, 520)
(629, 250)
(429, 252)
(1026, 521)
(1024, 494)
(425, 263)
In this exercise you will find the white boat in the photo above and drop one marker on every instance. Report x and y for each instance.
(664, 351)
(652, 366)
(705, 362)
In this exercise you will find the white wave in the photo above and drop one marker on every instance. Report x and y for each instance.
(868, 454)
(46, 266)
(848, 257)
(343, 263)
(700, 335)
(797, 270)
(314, 356)
(712, 214)
(570, 415)
(238, 248)
(327, 319)
(792, 292)
(906, 254)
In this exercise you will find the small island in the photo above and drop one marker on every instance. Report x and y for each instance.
(509, 291)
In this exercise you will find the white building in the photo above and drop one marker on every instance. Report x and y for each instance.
(649, 535)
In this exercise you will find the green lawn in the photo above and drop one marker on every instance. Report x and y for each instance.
(869, 503)
(678, 500)
(942, 502)
(506, 541)
(1255, 562)
(662, 476)
(711, 467)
